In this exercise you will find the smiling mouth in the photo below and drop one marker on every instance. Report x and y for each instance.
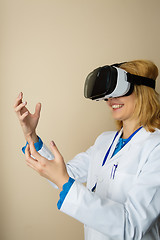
(117, 106)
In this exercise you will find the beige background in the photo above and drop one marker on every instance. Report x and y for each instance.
(47, 49)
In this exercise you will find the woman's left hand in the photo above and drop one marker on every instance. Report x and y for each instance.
(54, 170)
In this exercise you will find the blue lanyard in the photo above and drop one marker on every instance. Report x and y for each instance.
(109, 149)
(126, 141)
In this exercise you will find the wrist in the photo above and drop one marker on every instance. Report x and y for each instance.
(31, 137)
(63, 181)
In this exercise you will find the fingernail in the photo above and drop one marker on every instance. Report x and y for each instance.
(52, 143)
(19, 96)
(24, 103)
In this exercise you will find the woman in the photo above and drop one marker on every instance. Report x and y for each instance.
(122, 170)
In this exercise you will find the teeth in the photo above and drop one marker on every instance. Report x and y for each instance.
(116, 106)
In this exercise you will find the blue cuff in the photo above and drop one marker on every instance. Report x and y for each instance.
(65, 190)
(38, 145)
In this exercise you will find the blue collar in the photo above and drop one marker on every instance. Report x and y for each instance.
(125, 141)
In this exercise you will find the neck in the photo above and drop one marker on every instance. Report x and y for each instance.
(129, 128)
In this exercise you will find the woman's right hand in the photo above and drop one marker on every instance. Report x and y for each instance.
(27, 120)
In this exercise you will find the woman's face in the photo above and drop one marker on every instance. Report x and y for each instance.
(122, 108)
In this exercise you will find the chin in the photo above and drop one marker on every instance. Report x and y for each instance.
(118, 118)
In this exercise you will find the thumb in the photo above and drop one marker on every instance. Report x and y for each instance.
(33, 151)
(38, 109)
(55, 150)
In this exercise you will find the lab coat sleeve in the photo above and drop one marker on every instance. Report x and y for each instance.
(65, 189)
(77, 168)
(127, 221)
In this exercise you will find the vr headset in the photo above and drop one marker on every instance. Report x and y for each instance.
(111, 82)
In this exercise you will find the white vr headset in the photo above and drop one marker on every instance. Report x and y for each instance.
(111, 81)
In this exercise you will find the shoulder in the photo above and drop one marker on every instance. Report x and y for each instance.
(156, 133)
(105, 137)
(145, 136)
(146, 141)
(154, 137)
(151, 148)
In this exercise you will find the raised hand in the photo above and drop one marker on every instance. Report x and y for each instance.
(27, 120)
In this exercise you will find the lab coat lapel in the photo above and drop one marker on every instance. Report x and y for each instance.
(142, 134)
(113, 146)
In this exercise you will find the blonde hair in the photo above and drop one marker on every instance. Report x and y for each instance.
(147, 108)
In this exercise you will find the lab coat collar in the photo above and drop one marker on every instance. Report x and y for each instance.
(141, 135)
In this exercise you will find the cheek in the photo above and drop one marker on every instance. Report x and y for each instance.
(130, 109)
(130, 103)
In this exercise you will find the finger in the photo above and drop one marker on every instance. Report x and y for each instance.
(20, 95)
(31, 161)
(27, 152)
(38, 109)
(23, 116)
(39, 163)
(55, 150)
(20, 107)
(18, 99)
(34, 153)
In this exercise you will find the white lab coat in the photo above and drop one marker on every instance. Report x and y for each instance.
(126, 207)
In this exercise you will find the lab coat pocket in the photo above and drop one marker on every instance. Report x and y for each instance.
(120, 185)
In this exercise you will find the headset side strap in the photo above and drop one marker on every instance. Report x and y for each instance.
(139, 80)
